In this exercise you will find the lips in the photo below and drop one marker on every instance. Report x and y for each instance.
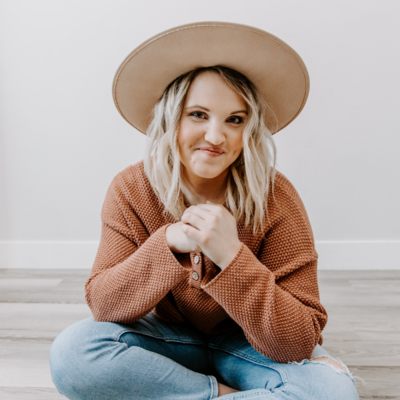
(213, 149)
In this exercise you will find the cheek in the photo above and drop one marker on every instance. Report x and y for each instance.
(183, 135)
(188, 135)
(238, 146)
(184, 131)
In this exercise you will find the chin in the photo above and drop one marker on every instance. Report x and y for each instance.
(208, 173)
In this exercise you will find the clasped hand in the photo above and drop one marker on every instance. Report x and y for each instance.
(213, 229)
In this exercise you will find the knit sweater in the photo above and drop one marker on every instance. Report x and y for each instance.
(269, 289)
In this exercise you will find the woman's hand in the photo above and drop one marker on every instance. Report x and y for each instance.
(213, 229)
(178, 241)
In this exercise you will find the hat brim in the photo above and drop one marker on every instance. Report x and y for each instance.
(273, 66)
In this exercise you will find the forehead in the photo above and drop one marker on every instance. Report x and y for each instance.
(208, 87)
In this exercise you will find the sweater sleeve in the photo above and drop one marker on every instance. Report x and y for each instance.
(274, 296)
(132, 271)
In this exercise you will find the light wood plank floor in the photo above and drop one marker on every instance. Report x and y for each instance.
(35, 305)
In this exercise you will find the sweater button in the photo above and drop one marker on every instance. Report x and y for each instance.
(195, 275)
(196, 259)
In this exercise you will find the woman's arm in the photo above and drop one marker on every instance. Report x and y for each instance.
(274, 296)
(132, 271)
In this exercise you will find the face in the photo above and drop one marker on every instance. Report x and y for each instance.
(214, 116)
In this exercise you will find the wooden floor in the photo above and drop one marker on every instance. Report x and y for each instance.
(35, 305)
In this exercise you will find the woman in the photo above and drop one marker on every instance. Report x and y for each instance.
(205, 281)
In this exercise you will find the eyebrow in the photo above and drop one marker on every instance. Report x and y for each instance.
(206, 109)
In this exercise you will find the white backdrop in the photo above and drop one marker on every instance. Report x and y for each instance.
(62, 139)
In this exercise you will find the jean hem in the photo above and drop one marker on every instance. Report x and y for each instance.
(214, 386)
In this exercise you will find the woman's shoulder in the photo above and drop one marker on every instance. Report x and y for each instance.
(285, 198)
(131, 177)
(132, 184)
(283, 186)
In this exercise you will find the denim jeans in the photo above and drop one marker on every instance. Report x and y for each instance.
(154, 359)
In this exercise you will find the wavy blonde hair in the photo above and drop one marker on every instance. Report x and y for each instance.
(250, 174)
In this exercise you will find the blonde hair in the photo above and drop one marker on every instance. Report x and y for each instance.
(250, 174)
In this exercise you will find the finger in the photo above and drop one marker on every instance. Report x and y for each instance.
(193, 220)
(191, 233)
(212, 207)
(197, 210)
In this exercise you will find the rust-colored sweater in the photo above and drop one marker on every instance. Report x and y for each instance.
(270, 289)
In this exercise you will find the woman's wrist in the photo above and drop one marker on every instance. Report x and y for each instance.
(169, 238)
(230, 256)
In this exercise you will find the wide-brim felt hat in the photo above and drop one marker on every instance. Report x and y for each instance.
(277, 71)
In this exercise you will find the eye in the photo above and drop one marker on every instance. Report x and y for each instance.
(197, 114)
(235, 119)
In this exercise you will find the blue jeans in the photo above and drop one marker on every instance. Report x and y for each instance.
(154, 359)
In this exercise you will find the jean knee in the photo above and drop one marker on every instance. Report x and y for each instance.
(88, 360)
(66, 357)
(333, 379)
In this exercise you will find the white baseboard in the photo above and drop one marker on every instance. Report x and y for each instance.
(358, 255)
(48, 254)
(333, 255)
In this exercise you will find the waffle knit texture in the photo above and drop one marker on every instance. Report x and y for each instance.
(269, 289)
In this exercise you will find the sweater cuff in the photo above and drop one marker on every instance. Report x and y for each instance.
(233, 275)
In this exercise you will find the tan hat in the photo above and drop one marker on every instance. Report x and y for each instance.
(274, 67)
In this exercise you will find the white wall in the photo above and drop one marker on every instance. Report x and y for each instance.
(62, 139)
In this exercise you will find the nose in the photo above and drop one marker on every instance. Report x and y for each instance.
(214, 134)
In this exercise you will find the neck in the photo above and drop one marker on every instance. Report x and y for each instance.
(198, 190)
